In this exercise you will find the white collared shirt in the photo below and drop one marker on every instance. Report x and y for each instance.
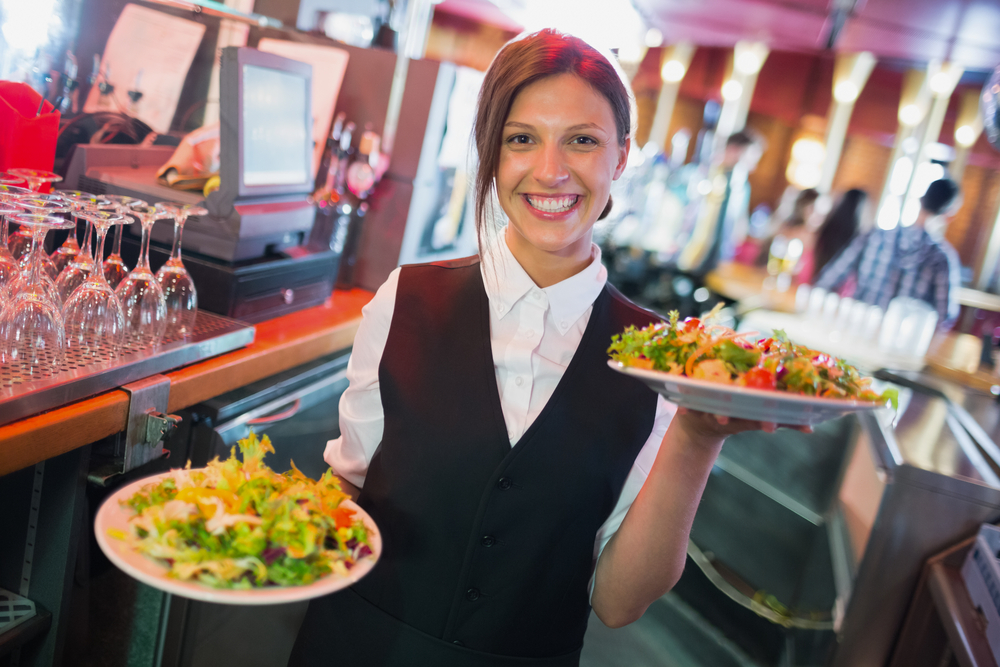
(534, 333)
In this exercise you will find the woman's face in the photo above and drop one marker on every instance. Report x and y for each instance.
(559, 156)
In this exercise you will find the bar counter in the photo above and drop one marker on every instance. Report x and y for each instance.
(279, 344)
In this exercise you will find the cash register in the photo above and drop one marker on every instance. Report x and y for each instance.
(249, 256)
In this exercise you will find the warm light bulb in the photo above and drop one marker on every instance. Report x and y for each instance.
(910, 115)
(748, 63)
(673, 71)
(654, 38)
(731, 90)
(965, 136)
(630, 53)
(845, 92)
(940, 83)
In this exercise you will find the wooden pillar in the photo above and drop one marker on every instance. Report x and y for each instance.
(850, 75)
(737, 91)
(673, 67)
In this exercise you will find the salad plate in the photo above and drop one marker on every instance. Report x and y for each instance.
(113, 517)
(768, 405)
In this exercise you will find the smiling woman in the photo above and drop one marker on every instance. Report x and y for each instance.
(515, 478)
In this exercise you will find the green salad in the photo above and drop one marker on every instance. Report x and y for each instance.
(718, 354)
(238, 524)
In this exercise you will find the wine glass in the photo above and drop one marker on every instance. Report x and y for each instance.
(9, 267)
(114, 266)
(77, 271)
(93, 316)
(141, 296)
(31, 326)
(70, 248)
(42, 205)
(45, 205)
(178, 287)
(7, 178)
(36, 178)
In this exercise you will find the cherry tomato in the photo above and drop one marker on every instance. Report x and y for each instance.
(766, 344)
(343, 517)
(692, 324)
(759, 378)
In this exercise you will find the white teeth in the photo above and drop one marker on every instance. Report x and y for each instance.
(553, 204)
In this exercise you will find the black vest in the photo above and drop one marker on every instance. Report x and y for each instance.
(489, 546)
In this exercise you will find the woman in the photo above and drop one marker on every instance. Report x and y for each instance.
(498, 453)
(840, 226)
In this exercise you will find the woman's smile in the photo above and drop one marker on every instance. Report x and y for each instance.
(550, 205)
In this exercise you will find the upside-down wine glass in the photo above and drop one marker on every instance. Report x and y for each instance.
(80, 268)
(36, 178)
(70, 248)
(93, 317)
(178, 287)
(141, 297)
(6, 178)
(9, 267)
(31, 326)
(42, 205)
(48, 206)
(114, 266)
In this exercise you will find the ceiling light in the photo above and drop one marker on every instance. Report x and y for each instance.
(845, 92)
(654, 38)
(673, 71)
(910, 115)
(940, 83)
(748, 63)
(731, 90)
(630, 53)
(965, 136)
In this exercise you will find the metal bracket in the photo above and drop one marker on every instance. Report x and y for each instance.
(148, 422)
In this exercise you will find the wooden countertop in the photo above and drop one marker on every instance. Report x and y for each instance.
(279, 344)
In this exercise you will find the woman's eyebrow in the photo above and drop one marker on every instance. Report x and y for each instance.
(574, 128)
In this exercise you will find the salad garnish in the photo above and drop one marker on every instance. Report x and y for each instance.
(239, 525)
(716, 353)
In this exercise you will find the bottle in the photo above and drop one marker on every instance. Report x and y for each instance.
(360, 180)
(328, 162)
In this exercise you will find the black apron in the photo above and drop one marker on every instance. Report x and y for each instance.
(487, 548)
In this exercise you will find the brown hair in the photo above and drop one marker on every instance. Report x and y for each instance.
(520, 63)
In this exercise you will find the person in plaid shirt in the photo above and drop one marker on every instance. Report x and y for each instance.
(904, 261)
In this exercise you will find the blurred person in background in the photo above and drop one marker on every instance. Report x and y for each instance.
(839, 227)
(914, 261)
(722, 216)
(795, 227)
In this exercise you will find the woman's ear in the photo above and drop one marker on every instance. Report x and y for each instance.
(622, 157)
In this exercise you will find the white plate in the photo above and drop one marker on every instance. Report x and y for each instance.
(732, 401)
(113, 515)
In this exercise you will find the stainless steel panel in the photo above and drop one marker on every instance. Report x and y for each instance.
(934, 499)
(213, 335)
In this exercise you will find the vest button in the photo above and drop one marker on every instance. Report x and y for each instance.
(458, 643)
(488, 541)
(472, 594)
(504, 483)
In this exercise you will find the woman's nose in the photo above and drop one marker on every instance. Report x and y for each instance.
(551, 167)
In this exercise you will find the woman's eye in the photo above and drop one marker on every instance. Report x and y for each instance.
(518, 139)
(586, 141)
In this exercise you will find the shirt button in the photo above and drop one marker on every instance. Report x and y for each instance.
(472, 594)
(537, 295)
(458, 643)
(504, 483)
(529, 333)
(518, 381)
(564, 324)
(488, 541)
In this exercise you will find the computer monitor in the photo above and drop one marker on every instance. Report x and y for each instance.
(265, 111)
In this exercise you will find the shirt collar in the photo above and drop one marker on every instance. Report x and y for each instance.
(507, 282)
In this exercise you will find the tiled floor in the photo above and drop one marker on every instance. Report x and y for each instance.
(670, 634)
